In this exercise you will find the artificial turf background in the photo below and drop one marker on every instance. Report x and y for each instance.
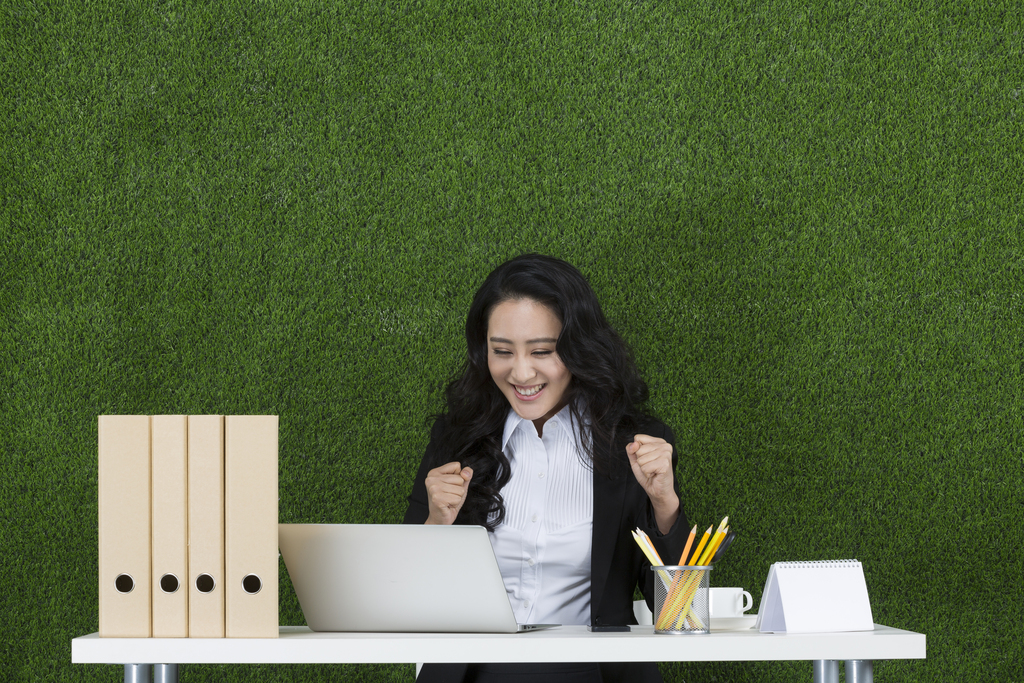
(804, 216)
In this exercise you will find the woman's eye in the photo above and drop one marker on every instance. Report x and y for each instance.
(502, 352)
(543, 352)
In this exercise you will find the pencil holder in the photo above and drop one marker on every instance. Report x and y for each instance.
(681, 600)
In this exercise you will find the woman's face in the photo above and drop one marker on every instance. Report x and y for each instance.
(521, 337)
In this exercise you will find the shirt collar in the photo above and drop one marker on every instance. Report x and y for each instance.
(564, 419)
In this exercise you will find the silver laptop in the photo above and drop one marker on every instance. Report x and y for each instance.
(397, 578)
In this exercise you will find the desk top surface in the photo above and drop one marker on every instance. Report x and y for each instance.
(299, 645)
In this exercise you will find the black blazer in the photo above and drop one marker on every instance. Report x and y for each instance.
(617, 563)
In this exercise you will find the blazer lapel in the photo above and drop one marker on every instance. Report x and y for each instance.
(608, 498)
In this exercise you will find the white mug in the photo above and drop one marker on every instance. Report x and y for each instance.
(729, 602)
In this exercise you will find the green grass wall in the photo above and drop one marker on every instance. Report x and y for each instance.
(804, 216)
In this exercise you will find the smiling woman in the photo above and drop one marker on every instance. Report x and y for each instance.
(544, 443)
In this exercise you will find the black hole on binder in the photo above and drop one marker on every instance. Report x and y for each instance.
(251, 584)
(124, 583)
(205, 583)
(169, 583)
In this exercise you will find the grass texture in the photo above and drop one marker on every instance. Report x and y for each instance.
(805, 217)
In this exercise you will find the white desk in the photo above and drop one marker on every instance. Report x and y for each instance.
(299, 645)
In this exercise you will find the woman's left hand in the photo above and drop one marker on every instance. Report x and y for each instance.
(651, 460)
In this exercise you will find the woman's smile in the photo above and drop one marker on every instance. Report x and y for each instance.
(530, 393)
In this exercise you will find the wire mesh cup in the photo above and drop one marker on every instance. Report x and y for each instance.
(681, 603)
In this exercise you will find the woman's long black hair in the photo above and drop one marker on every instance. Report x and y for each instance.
(605, 390)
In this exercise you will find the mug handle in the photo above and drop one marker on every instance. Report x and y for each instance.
(748, 601)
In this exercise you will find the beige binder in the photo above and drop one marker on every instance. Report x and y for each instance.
(124, 532)
(170, 527)
(206, 526)
(250, 526)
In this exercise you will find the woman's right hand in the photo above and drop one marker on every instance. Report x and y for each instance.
(446, 492)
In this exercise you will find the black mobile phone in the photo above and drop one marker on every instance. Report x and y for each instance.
(608, 629)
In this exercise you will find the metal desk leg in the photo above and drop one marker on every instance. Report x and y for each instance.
(859, 671)
(165, 673)
(137, 673)
(826, 671)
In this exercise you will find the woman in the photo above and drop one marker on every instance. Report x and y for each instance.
(543, 442)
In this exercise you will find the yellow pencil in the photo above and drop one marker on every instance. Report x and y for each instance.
(712, 546)
(723, 528)
(644, 541)
(703, 541)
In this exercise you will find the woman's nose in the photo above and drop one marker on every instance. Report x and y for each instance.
(522, 370)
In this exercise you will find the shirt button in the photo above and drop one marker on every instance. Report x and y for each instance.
(526, 603)
(541, 475)
(535, 518)
(529, 561)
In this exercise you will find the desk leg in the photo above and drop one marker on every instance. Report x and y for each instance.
(165, 673)
(137, 673)
(826, 671)
(859, 671)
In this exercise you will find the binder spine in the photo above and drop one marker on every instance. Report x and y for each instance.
(206, 526)
(170, 526)
(250, 526)
(124, 528)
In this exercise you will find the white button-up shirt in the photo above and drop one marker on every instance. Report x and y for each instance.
(543, 546)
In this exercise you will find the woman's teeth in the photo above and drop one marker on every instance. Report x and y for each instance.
(529, 391)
